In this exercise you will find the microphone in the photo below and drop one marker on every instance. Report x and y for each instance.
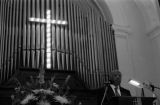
(152, 86)
(149, 86)
(107, 83)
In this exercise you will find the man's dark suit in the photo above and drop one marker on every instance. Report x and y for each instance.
(110, 93)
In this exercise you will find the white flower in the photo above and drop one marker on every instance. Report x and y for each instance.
(36, 91)
(43, 103)
(55, 85)
(28, 98)
(12, 96)
(62, 100)
(48, 92)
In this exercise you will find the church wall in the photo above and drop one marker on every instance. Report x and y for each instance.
(154, 35)
(134, 48)
(156, 51)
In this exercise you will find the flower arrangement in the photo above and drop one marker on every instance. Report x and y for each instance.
(41, 92)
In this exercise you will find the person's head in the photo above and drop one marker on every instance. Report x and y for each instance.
(115, 77)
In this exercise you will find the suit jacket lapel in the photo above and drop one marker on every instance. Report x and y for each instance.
(111, 92)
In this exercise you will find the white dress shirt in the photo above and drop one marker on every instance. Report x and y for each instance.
(118, 89)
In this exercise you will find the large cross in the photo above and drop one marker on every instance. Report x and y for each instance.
(48, 21)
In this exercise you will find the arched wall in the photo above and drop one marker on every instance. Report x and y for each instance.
(135, 22)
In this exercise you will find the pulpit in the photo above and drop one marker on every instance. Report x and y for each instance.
(132, 101)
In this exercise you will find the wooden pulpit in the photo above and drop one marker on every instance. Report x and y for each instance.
(132, 101)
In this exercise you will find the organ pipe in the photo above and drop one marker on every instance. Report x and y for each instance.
(85, 44)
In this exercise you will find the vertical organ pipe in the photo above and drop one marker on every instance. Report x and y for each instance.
(86, 44)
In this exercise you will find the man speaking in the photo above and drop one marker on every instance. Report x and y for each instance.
(114, 88)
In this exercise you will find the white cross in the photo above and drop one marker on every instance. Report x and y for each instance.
(48, 21)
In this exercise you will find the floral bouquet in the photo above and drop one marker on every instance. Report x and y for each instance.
(39, 92)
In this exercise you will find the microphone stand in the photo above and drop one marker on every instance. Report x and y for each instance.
(154, 87)
(155, 95)
(104, 95)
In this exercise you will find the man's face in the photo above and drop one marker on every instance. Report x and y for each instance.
(116, 77)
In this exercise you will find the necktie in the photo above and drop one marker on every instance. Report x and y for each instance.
(116, 91)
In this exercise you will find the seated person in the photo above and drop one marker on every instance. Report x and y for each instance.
(114, 88)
